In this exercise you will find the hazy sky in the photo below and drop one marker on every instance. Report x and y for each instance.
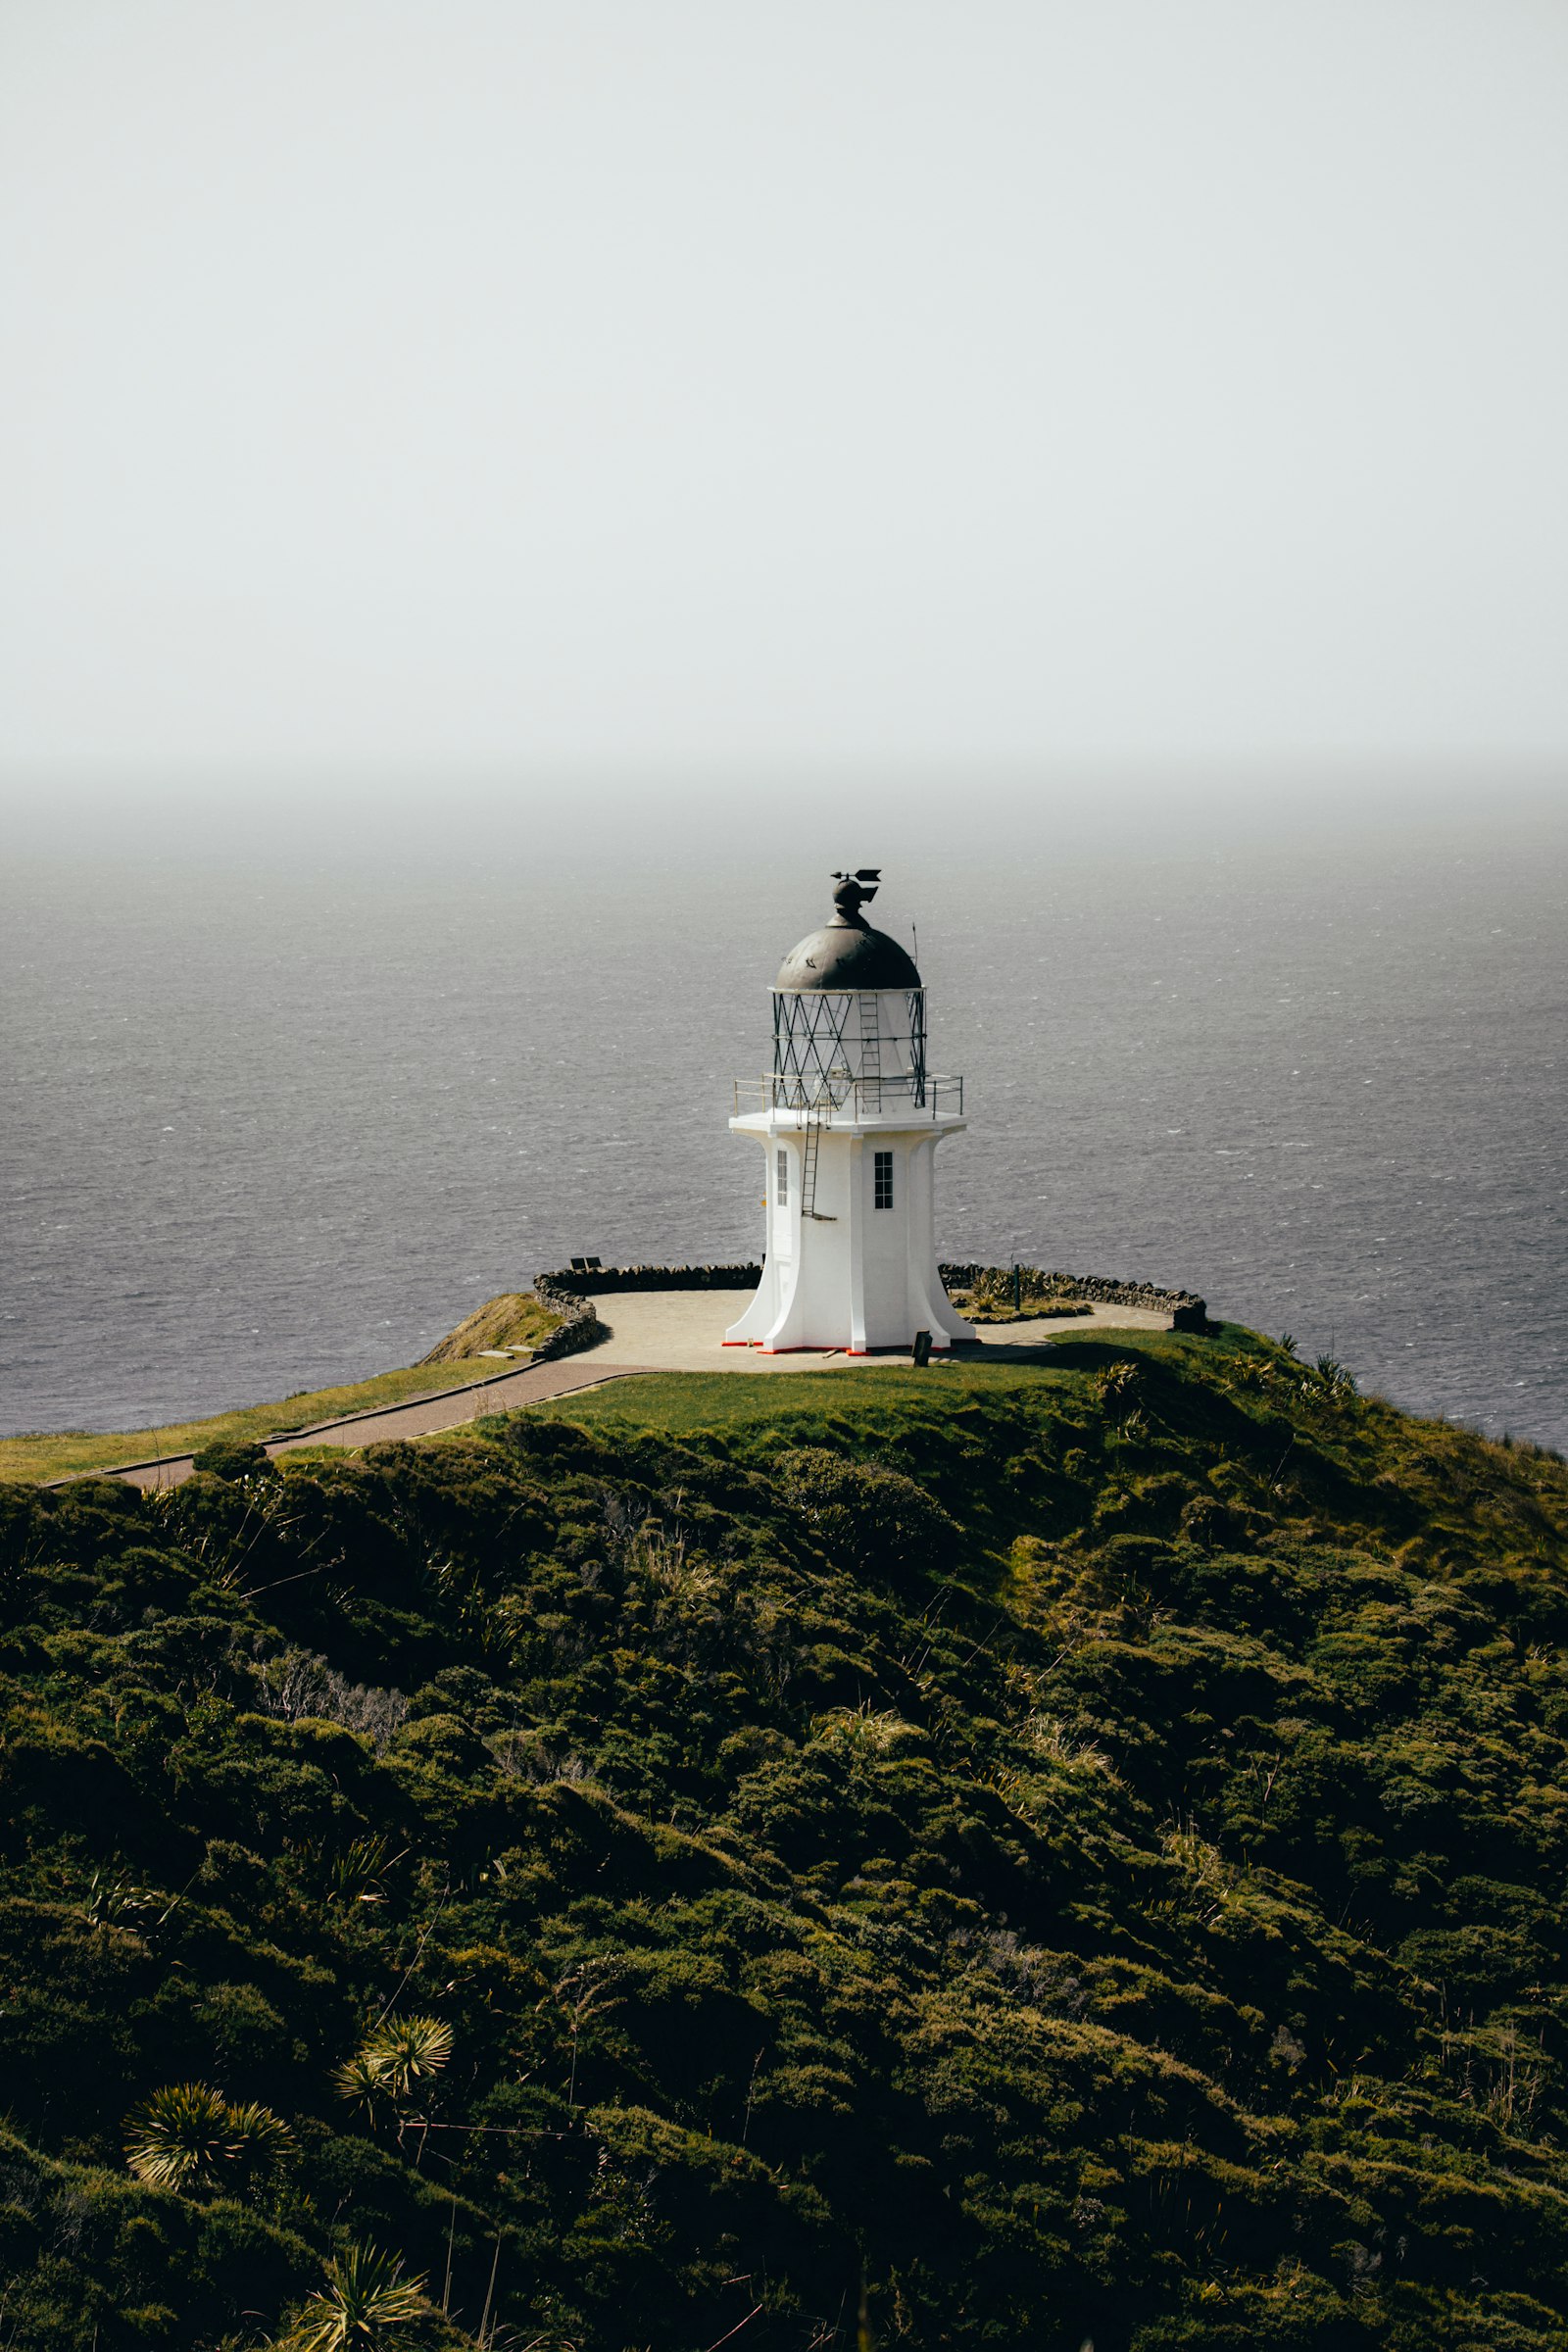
(495, 386)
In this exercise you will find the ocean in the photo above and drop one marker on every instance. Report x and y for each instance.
(277, 1119)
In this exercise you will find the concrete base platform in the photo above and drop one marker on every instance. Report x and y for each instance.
(683, 1330)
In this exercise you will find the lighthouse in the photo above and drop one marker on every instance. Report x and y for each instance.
(849, 1119)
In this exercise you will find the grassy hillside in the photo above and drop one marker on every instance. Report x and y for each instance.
(516, 1319)
(959, 1859)
(523, 1323)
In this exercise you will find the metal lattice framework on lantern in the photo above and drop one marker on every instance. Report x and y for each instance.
(825, 1040)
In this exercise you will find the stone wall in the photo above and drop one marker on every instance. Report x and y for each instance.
(1186, 1312)
(649, 1278)
(579, 1327)
(564, 1293)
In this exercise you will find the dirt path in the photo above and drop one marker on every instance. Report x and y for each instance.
(448, 1409)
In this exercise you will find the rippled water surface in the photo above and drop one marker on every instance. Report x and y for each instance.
(269, 1128)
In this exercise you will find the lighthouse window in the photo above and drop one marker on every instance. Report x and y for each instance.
(883, 1178)
(781, 1193)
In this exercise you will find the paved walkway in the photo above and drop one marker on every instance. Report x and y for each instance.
(447, 1409)
(648, 1331)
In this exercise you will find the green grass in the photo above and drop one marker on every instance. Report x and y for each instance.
(681, 1403)
(516, 1319)
(802, 1404)
(73, 1450)
(1035, 1310)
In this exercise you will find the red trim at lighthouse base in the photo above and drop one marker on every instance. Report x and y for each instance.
(858, 1352)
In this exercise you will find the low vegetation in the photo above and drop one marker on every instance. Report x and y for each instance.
(981, 1857)
(1020, 1293)
(69, 1452)
(515, 1321)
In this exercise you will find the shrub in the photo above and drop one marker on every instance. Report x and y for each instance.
(990, 1298)
(864, 1517)
(365, 2293)
(189, 2139)
(1121, 1387)
(395, 2060)
(234, 1458)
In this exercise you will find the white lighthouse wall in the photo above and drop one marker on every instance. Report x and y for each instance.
(901, 1286)
(816, 1283)
(855, 1276)
(888, 1236)
(779, 1247)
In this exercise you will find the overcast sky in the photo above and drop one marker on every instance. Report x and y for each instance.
(636, 385)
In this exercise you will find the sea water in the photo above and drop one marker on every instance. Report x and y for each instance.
(275, 1121)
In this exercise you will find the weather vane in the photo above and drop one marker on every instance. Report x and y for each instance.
(854, 890)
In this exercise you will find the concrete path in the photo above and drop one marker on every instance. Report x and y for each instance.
(648, 1331)
(447, 1408)
(683, 1330)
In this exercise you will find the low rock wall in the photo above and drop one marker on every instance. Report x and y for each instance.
(1186, 1312)
(564, 1293)
(579, 1326)
(649, 1278)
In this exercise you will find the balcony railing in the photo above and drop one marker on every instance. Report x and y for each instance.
(837, 1097)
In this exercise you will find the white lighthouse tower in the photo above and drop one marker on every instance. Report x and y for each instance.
(850, 1120)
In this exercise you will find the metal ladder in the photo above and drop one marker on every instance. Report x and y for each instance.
(816, 1120)
(871, 1048)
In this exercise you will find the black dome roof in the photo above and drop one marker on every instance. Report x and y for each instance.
(847, 955)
